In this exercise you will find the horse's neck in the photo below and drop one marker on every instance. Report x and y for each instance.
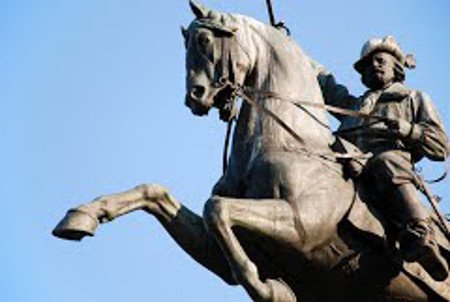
(281, 67)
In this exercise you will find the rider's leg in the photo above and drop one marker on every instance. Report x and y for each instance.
(185, 227)
(393, 177)
(269, 218)
(408, 204)
(392, 172)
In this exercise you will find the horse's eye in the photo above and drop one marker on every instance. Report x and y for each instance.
(204, 42)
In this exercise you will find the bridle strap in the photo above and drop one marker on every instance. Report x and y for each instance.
(226, 146)
(225, 51)
(329, 108)
(227, 72)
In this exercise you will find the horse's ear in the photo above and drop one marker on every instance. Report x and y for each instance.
(199, 10)
(185, 34)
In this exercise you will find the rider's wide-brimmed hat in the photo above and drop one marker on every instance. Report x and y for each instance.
(386, 44)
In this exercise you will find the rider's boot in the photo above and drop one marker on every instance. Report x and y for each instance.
(417, 238)
(280, 291)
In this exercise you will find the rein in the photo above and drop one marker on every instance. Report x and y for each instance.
(240, 91)
(329, 108)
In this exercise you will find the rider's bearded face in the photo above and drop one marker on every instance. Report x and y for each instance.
(379, 71)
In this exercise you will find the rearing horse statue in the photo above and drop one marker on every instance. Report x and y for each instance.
(282, 221)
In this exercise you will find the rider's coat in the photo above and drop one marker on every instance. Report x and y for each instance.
(393, 157)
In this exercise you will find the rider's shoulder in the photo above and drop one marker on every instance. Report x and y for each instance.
(400, 92)
(420, 97)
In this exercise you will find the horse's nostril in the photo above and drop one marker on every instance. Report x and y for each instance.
(197, 91)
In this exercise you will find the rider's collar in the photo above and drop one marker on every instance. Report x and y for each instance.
(397, 91)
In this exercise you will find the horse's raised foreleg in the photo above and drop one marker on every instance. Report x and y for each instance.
(272, 219)
(185, 227)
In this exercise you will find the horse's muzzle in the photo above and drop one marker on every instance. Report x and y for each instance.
(198, 106)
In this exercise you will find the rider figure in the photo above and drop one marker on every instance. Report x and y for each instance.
(412, 131)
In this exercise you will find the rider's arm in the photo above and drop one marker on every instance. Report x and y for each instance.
(334, 94)
(428, 136)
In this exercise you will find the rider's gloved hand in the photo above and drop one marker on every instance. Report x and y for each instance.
(400, 128)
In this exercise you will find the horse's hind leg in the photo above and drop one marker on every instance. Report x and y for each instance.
(272, 219)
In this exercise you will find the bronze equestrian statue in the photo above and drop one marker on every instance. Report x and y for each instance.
(283, 221)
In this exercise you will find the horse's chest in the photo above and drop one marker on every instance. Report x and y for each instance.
(273, 174)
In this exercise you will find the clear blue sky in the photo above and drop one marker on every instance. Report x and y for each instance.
(91, 102)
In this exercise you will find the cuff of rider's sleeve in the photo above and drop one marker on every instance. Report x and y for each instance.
(416, 133)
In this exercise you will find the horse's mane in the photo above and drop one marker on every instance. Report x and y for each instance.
(246, 26)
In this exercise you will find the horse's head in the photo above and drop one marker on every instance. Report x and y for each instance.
(215, 64)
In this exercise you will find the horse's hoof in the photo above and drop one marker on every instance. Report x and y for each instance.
(281, 292)
(76, 225)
